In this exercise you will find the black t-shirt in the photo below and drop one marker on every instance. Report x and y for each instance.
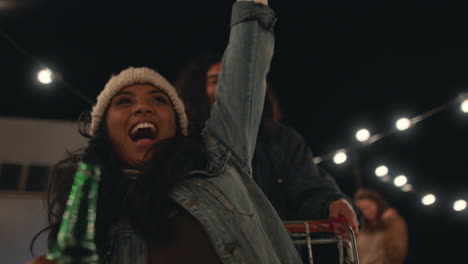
(189, 244)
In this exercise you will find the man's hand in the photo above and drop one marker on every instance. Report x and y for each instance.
(342, 208)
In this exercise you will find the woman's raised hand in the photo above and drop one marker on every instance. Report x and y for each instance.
(265, 2)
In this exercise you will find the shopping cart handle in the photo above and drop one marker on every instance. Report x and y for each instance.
(312, 226)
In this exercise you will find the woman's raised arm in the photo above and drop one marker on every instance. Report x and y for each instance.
(236, 113)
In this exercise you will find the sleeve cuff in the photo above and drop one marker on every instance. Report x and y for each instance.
(247, 10)
(315, 208)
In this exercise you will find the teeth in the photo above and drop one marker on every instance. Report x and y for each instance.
(142, 125)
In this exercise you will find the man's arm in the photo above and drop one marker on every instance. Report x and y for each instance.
(311, 192)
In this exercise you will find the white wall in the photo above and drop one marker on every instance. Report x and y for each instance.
(22, 215)
(39, 141)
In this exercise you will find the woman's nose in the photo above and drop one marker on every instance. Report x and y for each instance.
(143, 108)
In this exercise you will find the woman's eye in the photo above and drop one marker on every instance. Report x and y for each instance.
(122, 101)
(160, 99)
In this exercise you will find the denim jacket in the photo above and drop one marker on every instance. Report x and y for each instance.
(241, 224)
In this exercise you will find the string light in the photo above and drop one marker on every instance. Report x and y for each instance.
(400, 180)
(381, 171)
(362, 135)
(459, 205)
(45, 76)
(428, 199)
(403, 124)
(340, 157)
(464, 106)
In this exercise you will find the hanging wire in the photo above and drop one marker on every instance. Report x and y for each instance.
(374, 138)
(57, 75)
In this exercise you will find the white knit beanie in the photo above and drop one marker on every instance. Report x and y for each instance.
(129, 77)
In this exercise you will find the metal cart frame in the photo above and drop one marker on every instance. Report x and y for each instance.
(300, 232)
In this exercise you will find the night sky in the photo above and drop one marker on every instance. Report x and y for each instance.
(338, 66)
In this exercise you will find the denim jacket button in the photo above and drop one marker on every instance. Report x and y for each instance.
(230, 247)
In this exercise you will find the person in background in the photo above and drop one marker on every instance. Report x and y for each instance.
(384, 237)
(172, 195)
(282, 163)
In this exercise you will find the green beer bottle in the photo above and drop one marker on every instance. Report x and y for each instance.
(75, 239)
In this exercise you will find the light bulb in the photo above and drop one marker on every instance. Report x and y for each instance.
(459, 205)
(45, 76)
(428, 199)
(464, 106)
(400, 180)
(403, 124)
(381, 171)
(340, 157)
(362, 135)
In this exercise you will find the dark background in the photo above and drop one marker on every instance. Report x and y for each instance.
(338, 66)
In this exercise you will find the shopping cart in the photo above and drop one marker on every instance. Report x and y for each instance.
(300, 232)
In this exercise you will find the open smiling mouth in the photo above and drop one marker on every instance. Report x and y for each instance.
(143, 131)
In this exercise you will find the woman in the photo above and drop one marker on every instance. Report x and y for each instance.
(170, 197)
(384, 237)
